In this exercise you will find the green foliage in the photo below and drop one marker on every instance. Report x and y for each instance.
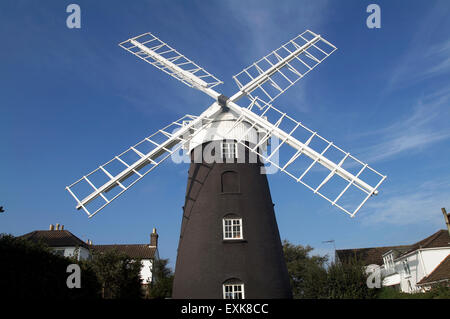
(161, 287)
(307, 273)
(31, 270)
(118, 274)
(436, 292)
(312, 279)
(348, 281)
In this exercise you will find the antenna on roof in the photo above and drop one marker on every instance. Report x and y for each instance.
(446, 217)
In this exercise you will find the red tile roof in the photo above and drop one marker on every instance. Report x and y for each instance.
(438, 239)
(55, 238)
(440, 273)
(141, 251)
(374, 255)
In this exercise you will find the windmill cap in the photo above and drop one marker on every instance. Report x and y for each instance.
(224, 127)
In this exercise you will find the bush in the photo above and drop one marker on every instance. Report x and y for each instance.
(348, 281)
(436, 292)
(31, 270)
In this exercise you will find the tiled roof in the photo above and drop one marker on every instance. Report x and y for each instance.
(141, 251)
(438, 239)
(55, 238)
(374, 255)
(367, 256)
(441, 272)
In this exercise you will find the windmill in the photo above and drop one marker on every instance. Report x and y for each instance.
(229, 241)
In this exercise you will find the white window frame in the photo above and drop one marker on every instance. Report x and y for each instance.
(226, 149)
(234, 290)
(406, 268)
(232, 231)
(389, 261)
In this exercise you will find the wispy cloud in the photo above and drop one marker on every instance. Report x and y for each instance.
(426, 57)
(426, 125)
(421, 204)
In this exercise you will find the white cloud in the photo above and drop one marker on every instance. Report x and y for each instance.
(426, 125)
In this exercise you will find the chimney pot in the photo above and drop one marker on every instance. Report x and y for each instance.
(51, 227)
(57, 226)
(62, 227)
(154, 238)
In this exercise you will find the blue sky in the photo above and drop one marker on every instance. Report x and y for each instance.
(72, 99)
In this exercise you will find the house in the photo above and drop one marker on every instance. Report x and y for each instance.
(61, 241)
(440, 274)
(147, 253)
(66, 244)
(408, 268)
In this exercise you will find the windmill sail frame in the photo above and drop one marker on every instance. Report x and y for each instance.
(272, 129)
(276, 71)
(188, 126)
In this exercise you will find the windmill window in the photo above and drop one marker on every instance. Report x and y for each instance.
(233, 290)
(229, 150)
(230, 182)
(232, 228)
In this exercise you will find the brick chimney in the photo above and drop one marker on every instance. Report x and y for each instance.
(154, 238)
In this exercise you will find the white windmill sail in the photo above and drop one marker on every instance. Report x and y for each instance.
(159, 54)
(96, 190)
(301, 153)
(272, 75)
(340, 174)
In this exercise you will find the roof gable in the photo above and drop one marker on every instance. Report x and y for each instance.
(374, 255)
(55, 238)
(440, 273)
(439, 239)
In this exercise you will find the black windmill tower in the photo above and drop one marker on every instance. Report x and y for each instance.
(229, 244)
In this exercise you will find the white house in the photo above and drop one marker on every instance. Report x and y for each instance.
(408, 268)
(66, 244)
(61, 241)
(404, 269)
(147, 253)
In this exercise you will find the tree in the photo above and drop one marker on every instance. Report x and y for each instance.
(307, 273)
(348, 281)
(312, 277)
(118, 274)
(161, 286)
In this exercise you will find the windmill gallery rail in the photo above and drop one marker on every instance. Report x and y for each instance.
(262, 82)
